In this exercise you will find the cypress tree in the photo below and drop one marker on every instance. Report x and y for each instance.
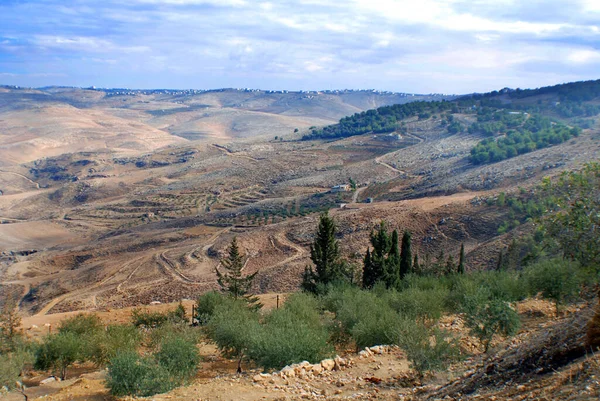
(392, 263)
(381, 246)
(368, 279)
(232, 281)
(461, 259)
(500, 264)
(450, 266)
(416, 266)
(405, 255)
(325, 254)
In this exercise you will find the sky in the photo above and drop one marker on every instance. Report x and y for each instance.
(416, 46)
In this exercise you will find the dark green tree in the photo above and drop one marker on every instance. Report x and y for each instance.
(375, 270)
(392, 275)
(233, 281)
(575, 224)
(461, 260)
(450, 265)
(416, 266)
(405, 255)
(500, 263)
(325, 254)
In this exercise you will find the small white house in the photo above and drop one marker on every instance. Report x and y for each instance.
(341, 188)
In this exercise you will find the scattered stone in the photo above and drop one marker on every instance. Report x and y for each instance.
(328, 364)
(48, 380)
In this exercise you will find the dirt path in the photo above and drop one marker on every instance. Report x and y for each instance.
(378, 161)
(233, 154)
(300, 251)
(356, 193)
(37, 185)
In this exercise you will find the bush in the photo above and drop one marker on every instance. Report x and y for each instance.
(354, 306)
(179, 357)
(157, 336)
(105, 345)
(12, 365)
(462, 286)
(427, 350)
(555, 279)
(59, 351)
(507, 286)
(379, 327)
(232, 327)
(130, 374)
(487, 316)
(81, 325)
(145, 318)
(206, 304)
(419, 304)
(289, 335)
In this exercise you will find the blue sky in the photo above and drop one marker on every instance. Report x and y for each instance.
(422, 46)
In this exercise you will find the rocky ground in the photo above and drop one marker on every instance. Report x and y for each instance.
(380, 373)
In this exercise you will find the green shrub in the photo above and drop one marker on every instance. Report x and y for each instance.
(507, 286)
(289, 335)
(59, 351)
(12, 366)
(377, 328)
(105, 345)
(555, 279)
(232, 327)
(206, 304)
(487, 316)
(179, 357)
(145, 318)
(427, 282)
(169, 331)
(428, 350)
(82, 324)
(462, 286)
(355, 306)
(419, 303)
(130, 374)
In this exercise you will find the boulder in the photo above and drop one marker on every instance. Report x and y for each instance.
(48, 380)
(328, 364)
(316, 369)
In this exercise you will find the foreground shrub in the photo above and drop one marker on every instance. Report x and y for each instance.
(105, 345)
(179, 357)
(145, 318)
(232, 328)
(292, 334)
(507, 286)
(59, 351)
(206, 304)
(157, 336)
(82, 324)
(428, 350)
(12, 366)
(487, 316)
(130, 374)
(379, 327)
(416, 303)
(556, 279)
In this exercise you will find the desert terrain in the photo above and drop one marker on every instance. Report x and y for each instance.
(112, 199)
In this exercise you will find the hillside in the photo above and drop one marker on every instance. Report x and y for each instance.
(112, 199)
(51, 121)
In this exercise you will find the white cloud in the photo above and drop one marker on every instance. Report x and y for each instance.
(584, 56)
(85, 44)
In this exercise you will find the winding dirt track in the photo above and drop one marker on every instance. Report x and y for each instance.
(37, 186)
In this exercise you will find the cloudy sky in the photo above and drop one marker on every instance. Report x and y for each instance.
(422, 46)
